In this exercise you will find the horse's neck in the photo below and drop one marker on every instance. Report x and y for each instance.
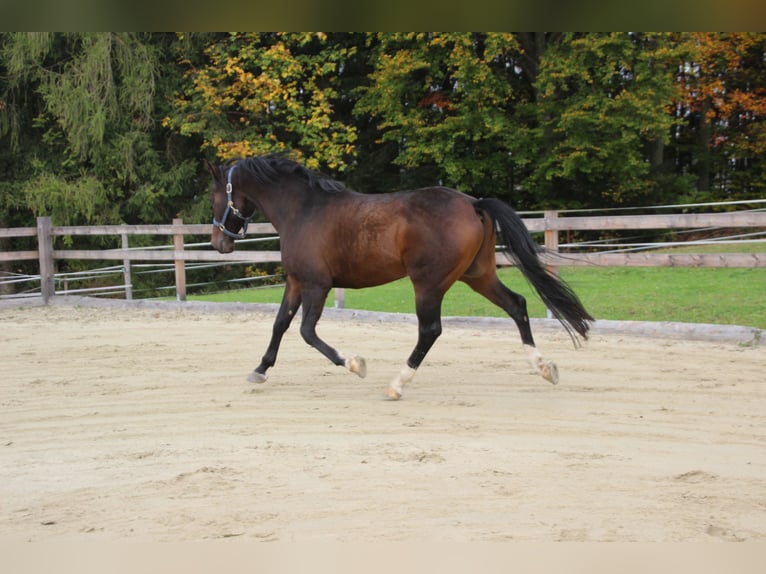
(281, 204)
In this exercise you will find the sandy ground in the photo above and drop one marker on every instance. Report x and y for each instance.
(133, 424)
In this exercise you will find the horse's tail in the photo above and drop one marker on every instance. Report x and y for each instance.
(522, 249)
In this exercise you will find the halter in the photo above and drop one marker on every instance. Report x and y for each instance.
(231, 209)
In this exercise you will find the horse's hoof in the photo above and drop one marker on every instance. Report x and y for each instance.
(357, 365)
(394, 391)
(550, 373)
(256, 377)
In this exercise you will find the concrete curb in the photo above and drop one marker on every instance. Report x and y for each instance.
(750, 336)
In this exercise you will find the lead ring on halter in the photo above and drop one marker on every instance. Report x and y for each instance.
(231, 209)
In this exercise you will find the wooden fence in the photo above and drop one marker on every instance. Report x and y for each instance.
(551, 225)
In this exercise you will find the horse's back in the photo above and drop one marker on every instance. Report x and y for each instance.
(423, 215)
(362, 240)
(439, 214)
(431, 231)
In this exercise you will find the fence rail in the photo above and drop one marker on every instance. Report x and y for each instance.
(551, 225)
(552, 222)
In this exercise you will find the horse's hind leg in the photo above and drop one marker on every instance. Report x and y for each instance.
(313, 304)
(490, 286)
(428, 309)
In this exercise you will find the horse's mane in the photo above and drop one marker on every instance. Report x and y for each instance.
(272, 168)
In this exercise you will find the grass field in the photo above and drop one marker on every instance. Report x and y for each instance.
(723, 296)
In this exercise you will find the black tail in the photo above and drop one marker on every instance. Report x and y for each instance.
(522, 249)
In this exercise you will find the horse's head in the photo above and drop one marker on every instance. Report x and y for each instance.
(229, 222)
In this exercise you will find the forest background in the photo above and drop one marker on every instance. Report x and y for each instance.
(102, 128)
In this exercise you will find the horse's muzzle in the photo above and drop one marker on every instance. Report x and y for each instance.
(221, 242)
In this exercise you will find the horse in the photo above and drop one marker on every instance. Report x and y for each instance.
(332, 236)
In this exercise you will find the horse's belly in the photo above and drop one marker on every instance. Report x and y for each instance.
(356, 274)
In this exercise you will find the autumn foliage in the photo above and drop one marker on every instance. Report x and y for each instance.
(103, 128)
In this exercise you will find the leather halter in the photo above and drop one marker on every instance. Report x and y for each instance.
(230, 209)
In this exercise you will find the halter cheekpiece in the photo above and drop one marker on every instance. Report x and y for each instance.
(231, 209)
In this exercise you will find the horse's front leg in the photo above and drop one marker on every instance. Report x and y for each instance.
(291, 300)
(313, 305)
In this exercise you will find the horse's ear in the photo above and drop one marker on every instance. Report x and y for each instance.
(213, 169)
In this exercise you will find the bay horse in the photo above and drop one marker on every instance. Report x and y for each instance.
(331, 236)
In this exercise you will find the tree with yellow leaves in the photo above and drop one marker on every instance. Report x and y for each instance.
(259, 93)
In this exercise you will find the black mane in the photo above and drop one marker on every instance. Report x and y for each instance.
(273, 168)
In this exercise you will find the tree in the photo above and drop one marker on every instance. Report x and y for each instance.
(603, 102)
(257, 93)
(98, 128)
(94, 155)
(79, 136)
(543, 119)
(446, 101)
(722, 105)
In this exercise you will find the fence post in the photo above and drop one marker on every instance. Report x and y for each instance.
(126, 269)
(180, 264)
(551, 244)
(551, 237)
(340, 297)
(45, 256)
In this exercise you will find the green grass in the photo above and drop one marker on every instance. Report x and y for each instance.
(724, 296)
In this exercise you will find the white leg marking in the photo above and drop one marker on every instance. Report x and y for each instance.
(396, 388)
(549, 371)
(534, 356)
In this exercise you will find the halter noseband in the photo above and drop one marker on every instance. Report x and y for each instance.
(231, 209)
